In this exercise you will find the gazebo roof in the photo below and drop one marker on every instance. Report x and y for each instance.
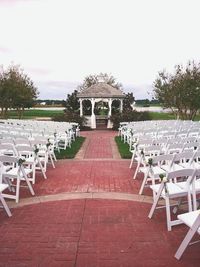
(101, 90)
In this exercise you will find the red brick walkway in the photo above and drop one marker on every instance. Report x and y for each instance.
(99, 145)
(90, 232)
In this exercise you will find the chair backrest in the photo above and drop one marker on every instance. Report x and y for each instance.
(187, 173)
(175, 148)
(184, 157)
(8, 159)
(191, 145)
(22, 141)
(26, 151)
(8, 149)
(163, 159)
(153, 150)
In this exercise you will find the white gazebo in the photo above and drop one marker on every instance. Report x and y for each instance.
(104, 92)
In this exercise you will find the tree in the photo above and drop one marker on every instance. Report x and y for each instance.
(16, 90)
(72, 103)
(180, 91)
(93, 79)
(128, 102)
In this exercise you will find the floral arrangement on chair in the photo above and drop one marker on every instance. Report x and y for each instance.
(164, 179)
(36, 149)
(21, 160)
(48, 144)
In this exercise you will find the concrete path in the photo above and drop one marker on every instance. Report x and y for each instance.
(88, 214)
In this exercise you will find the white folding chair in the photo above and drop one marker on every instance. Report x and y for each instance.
(172, 190)
(15, 172)
(153, 170)
(32, 160)
(145, 154)
(192, 220)
(5, 206)
(137, 146)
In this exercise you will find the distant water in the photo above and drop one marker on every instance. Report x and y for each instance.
(151, 109)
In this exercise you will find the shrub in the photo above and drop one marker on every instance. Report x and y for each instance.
(70, 117)
(132, 115)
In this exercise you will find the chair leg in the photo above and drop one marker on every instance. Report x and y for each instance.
(155, 202)
(132, 158)
(27, 181)
(17, 189)
(185, 242)
(137, 169)
(41, 167)
(5, 206)
(143, 183)
(54, 156)
(168, 214)
(52, 163)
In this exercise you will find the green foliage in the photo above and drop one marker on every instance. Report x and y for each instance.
(180, 91)
(16, 90)
(70, 152)
(72, 103)
(123, 148)
(147, 102)
(93, 79)
(132, 115)
(128, 101)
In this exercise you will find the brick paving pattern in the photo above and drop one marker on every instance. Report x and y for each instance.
(90, 232)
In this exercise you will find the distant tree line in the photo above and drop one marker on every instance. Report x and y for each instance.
(146, 102)
(17, 90)
(50, 102)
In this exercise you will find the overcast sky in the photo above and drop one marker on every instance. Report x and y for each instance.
(59, 42)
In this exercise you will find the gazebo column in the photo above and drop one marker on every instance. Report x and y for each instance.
(121, 105)
(109, 125)
(81, 107)
(93, 117)
(110, 107)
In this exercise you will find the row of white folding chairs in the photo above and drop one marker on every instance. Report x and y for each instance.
(178, 185)
(43, 126)
(28, 149)
(155, 166)
(65, 137)
(12, 173)
(132, 137)
(158, 130)
(60, 141)
(158, 146)
(180, 179)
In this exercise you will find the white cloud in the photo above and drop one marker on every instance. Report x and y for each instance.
(67, 40)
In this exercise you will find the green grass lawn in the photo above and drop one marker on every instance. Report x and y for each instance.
(33, 113)
(123, 148)
(70, 152)
(161, 116)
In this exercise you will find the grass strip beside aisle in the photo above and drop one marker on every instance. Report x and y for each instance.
(123, 148)
(70, 152)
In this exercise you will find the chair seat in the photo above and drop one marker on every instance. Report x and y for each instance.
(197, 185)
(3, 187)
(189, 218)
(175, 167)
(172, 189)
(30, 160)
(13, 172)
(154, 170)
